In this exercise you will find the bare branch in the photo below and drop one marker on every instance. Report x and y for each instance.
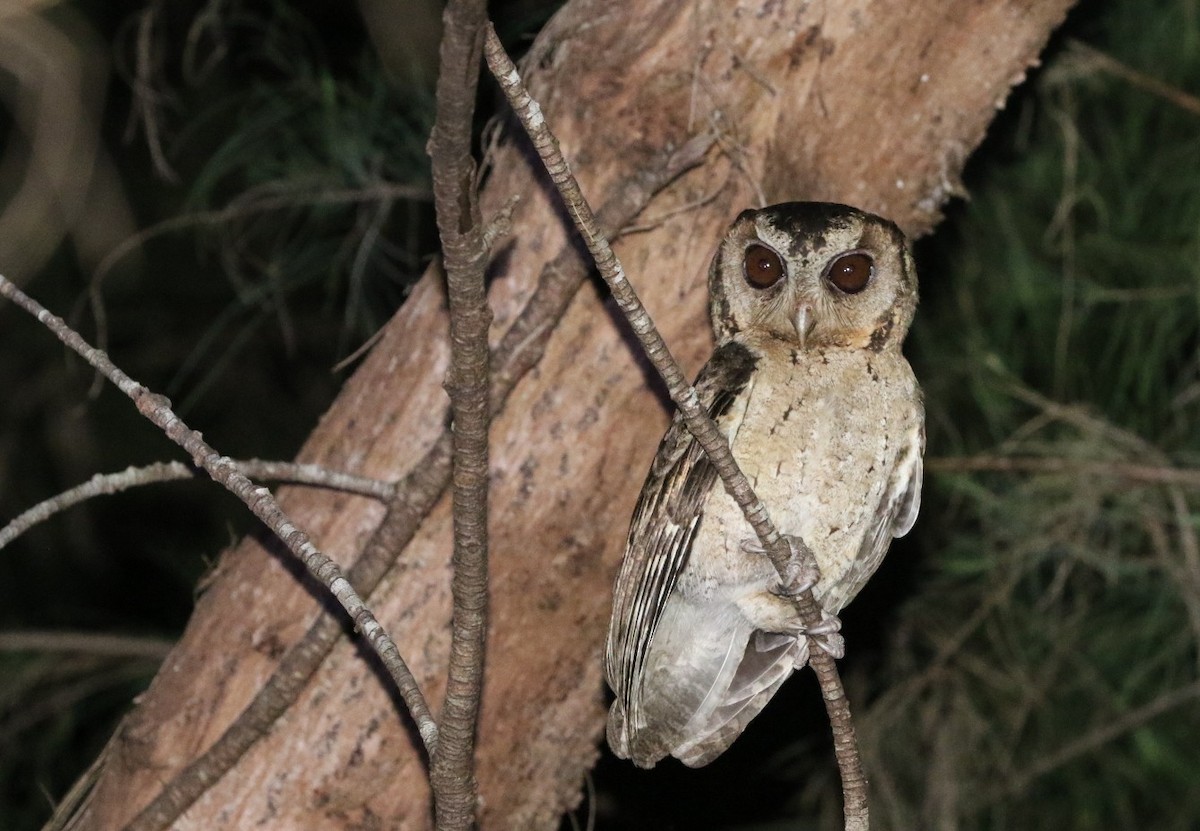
(254, 202)
(1112, 729)
(318, 476)
(147, 65)
(66, 694)
(697, 420)
(1086, 55)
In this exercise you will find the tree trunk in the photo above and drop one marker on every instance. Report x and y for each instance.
(870, 103)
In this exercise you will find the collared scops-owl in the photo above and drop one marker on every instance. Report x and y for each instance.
(810, 303)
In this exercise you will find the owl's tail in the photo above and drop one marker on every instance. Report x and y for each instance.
(766, 662)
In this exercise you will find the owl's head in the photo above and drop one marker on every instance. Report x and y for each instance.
(815, 274)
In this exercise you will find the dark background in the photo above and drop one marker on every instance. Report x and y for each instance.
(1026, 658)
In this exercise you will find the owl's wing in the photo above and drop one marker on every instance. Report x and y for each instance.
(897, 512)
(894, 517)
(665, 522)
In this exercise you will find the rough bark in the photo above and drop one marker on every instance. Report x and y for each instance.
(871, 103)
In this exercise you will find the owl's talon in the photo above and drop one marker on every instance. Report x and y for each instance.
(833, 645)
(801, 572)
(827, 635)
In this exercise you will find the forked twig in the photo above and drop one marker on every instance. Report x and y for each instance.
(258, 499)
(697, 420)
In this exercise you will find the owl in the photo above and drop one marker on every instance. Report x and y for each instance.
(810, 303)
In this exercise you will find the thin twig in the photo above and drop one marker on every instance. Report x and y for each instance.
(131, 477)
(653, 222)
(464, 256)
(247, 204)
(242, 207)
(145, 103)
(89, 643)
(1187, 580)
(1082, 419)
(1108, 63)
(258, 499)
(698, 422)
(1143, 474)
(1107, 732)
(65, 696)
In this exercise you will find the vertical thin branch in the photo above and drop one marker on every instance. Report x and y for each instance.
(464, 257)
(698, 421)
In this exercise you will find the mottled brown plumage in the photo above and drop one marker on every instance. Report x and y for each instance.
(810, 304)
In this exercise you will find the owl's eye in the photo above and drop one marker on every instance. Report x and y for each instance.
(851, 272)
(763, 267)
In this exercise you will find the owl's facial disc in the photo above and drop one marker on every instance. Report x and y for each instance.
(814, 274)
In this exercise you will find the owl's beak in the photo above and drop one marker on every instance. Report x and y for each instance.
(804, 322)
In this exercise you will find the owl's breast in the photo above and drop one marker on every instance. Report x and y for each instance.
(818, 437)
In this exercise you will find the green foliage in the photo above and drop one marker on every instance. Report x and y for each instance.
(314, 174)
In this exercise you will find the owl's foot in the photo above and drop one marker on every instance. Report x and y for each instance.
(800, 575)
(801, 572)
(827, 635)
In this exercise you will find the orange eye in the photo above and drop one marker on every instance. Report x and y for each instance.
(763, 267)
(851, 272)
